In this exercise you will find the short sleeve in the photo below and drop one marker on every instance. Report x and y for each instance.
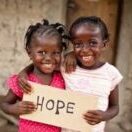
(116, 77)
(12, 83)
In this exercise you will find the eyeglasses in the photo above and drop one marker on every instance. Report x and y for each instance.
(91, 44)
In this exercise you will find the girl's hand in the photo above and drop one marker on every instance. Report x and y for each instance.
(25, 86)
(23, 76)
(94, 117)
(70, 62)
(23, 107)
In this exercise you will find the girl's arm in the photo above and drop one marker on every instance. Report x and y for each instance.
(113, 108)
(23, 75)
(96, 116)
(11, 106)
(24, 72)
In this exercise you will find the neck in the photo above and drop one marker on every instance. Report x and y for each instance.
(44, 77)
(97, 65)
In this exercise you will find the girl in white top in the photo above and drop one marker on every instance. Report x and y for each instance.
(89, 36)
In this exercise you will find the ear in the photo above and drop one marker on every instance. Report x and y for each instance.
(29, 52)
(105, 43)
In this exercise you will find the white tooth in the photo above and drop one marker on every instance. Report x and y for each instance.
(86, 58)
(48, 65)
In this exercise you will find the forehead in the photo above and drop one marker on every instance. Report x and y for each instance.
(46, 41)
(86, 30)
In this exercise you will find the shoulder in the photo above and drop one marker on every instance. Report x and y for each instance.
(12, 80)
(58, 80)
(12, 83)
(57, 74)
(112, 70)
(114, 74)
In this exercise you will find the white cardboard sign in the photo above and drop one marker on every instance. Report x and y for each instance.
(58, 107)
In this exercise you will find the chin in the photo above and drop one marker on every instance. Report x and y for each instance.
(87, 64)
(48, 71)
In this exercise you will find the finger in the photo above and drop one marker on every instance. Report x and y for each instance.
(91, 123)
(28, 102)
(92, 112)
(73, 67)
(66, 68)
(25, 107)
(89, 114)
(24, 89)
(26, 82)
(95, 114)
(69, 68)
(27, 111)
(30, 109)
(66, 65)
(75, 64)
(92, 119)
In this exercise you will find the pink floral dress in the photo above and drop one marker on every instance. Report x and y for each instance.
(27, 125)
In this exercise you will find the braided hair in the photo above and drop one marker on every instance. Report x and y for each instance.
(46, 29)
(90, 20)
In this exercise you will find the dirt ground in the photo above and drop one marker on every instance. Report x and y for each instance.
(8, 128)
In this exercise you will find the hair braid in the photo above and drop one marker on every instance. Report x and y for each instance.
(44, 28)
(64, 34)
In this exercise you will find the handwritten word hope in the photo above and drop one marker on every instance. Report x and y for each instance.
(55, 105)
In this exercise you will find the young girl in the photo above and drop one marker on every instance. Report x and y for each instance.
(89, 36)
(44, 45)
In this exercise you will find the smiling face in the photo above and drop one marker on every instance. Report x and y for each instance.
(45, 53)
(87, 42)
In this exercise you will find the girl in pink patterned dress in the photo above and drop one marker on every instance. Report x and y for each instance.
(44, 43)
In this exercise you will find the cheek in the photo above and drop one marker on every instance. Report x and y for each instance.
(58, 59)
(97, 52)
(36, 58)
(78, 53)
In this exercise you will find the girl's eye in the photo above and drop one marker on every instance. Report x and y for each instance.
(42, 52)
(93, 44)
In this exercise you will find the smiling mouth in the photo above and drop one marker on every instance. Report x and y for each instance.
(87, 58)
(48, 65)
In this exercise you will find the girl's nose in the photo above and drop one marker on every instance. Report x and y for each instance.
(48, 57)
(86, 45)
(86, 48)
